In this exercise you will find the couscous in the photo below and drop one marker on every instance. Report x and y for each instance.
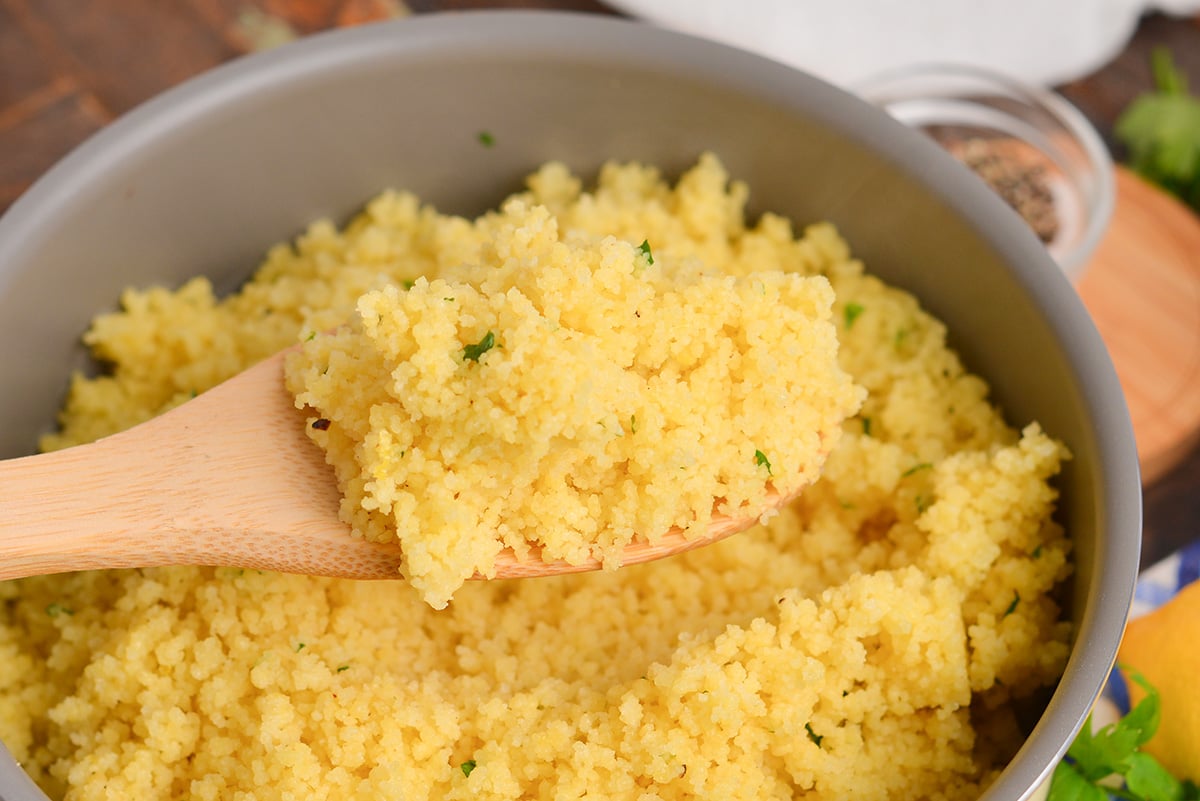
(566, 393)
(870, 641)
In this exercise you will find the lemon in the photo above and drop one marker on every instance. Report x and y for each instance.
(1164, 646)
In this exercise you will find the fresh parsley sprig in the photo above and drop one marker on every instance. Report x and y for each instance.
(1161, 129)
(1107, 763)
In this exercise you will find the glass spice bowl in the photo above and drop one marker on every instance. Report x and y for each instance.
(1034, 148)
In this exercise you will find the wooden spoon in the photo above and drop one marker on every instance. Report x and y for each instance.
(227, 479)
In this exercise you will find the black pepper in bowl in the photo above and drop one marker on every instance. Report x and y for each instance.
(1014, 172)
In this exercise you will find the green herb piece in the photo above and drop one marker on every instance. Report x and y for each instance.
(311, 336)
(645, 248)
(299, 647)
(898, 340)
(1161, 129)
(916, 468)
(1095, 756)
(473, 352)
(633, 424)
(1012, 607)
(851, 312)
(922, 504)
(55, 609)
(407, 284)
(467, 767)
(486, 139)
(1037, 552)
(812, 735)
(866, 425)
(342, 668)
(761, 460)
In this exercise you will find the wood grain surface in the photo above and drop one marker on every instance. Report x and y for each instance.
(68, 67)
(1142, 287)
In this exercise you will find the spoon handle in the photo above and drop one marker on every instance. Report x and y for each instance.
(229, 478)
(81, 508)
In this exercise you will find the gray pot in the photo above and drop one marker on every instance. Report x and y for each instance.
(204, 178)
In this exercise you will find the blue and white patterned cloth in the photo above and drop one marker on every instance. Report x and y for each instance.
(1156, 585)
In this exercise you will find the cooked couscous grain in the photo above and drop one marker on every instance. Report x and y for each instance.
(861, 644)
(567, 394)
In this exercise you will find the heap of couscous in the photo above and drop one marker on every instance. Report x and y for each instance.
(867, 642)
(566, 394)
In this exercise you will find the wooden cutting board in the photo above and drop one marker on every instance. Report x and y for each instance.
(1142, 288)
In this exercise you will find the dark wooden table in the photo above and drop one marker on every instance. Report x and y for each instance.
(68, 67)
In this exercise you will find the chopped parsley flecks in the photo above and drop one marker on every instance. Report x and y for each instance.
(1037, 552)
(55, 609)
(311, 336)
(866, 425)
(1012, 607)
(299, 647)
(761, 460)
(467, 767)
(408, 284)
(916, 468)
(922, 504)
(645, 248)
(812, 735)
(851, 312)
(342, 668)
(633, 424)
(473, 352)
(486, 138)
